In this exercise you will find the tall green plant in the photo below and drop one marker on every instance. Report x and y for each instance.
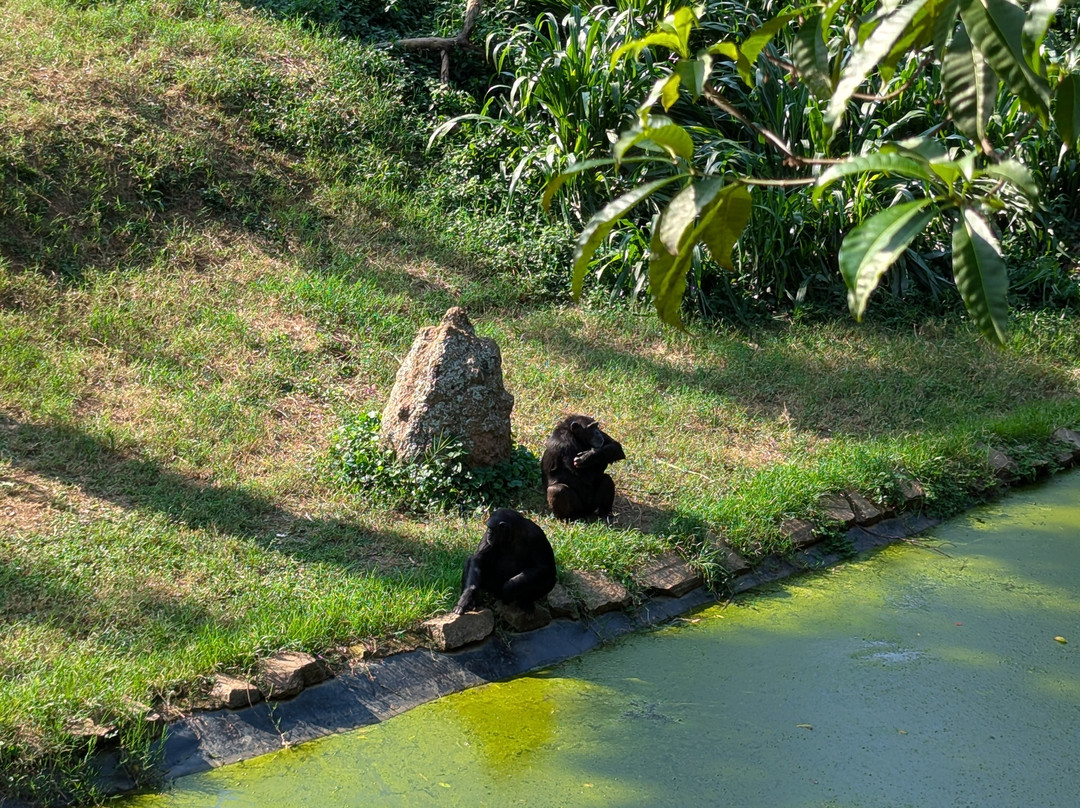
(955, 172)
(560, 96)
(438, 480)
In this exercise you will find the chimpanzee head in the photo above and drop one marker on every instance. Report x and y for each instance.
(500, 525)
(587, 432)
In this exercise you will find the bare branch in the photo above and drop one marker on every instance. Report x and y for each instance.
(472, 11)
(926, 62)
(790, 157)
(794, 181)
(423, 43)
(444, 44)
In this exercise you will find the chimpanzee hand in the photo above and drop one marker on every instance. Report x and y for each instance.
(583, 458)
(465, 602)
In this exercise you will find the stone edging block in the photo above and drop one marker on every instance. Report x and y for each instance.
(669, 575)
(449, 631)
(598, 593)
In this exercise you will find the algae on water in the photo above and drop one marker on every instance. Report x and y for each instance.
(915, 677)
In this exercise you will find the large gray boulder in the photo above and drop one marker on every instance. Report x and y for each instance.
(450, 384)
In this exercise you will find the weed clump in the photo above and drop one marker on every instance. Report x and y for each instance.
(437, 480)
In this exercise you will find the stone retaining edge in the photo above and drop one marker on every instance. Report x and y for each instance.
(377, 689)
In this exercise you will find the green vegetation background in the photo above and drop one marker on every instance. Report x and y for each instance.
(222, 228)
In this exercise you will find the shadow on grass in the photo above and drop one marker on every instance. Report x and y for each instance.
(40, 592)
(76, 196)
(641, 516)
(885, 384)
(70, 456)
(258, 202)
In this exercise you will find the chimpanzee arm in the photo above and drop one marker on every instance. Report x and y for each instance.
(529, 585)
(610, 452)
(470, 584)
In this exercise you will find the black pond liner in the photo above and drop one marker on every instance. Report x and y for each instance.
(382, 688)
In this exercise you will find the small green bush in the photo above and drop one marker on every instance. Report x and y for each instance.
(438, 480)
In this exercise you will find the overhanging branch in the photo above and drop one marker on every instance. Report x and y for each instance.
(717, 99)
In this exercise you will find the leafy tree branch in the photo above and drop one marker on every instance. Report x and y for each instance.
(959, 172)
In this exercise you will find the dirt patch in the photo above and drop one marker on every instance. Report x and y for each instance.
(637, 515)
(31, 503)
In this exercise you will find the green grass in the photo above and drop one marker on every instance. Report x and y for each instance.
(211, 259)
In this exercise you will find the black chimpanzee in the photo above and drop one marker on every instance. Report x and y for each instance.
(575, 458)
(514, 562)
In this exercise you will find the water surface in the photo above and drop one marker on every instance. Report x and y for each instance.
(922, 676)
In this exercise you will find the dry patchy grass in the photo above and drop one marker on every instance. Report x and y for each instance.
(32, 503)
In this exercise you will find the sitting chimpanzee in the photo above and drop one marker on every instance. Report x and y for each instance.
(575, 458)
(514, 562)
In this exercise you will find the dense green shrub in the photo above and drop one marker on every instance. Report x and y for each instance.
(438, 480)
(554, 107)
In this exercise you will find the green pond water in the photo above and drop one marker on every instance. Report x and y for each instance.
(909, 678)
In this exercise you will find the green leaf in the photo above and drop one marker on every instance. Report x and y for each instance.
(754, 44)
(829, 13)
(658, 132)
(667, 277)
(949, 171)
(871, 248)
(917, 35)
(635, 46)
(448, 126)
(723, 223)
(1067, 110)
(919, 147)
(627, 140)
(660, 86)
(944, 23)
(722, 220)
(867, 56)
(970, 87)
(909, 165)
(673, 33)
(868, 26)
(728, 50)
(811, 57)
(666, 40)
(1039, 15)
(598, 227)
(673, 139)
(980, 274)
(556, 182)
(683, 21)
(670, 92)
(1015, 173)
(683, 210)
(995, 28)
(632, 48)
(694, 73)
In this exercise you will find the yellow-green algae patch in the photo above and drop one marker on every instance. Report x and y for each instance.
(922, 676)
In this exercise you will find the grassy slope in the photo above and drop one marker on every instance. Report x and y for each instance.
(196, 287)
